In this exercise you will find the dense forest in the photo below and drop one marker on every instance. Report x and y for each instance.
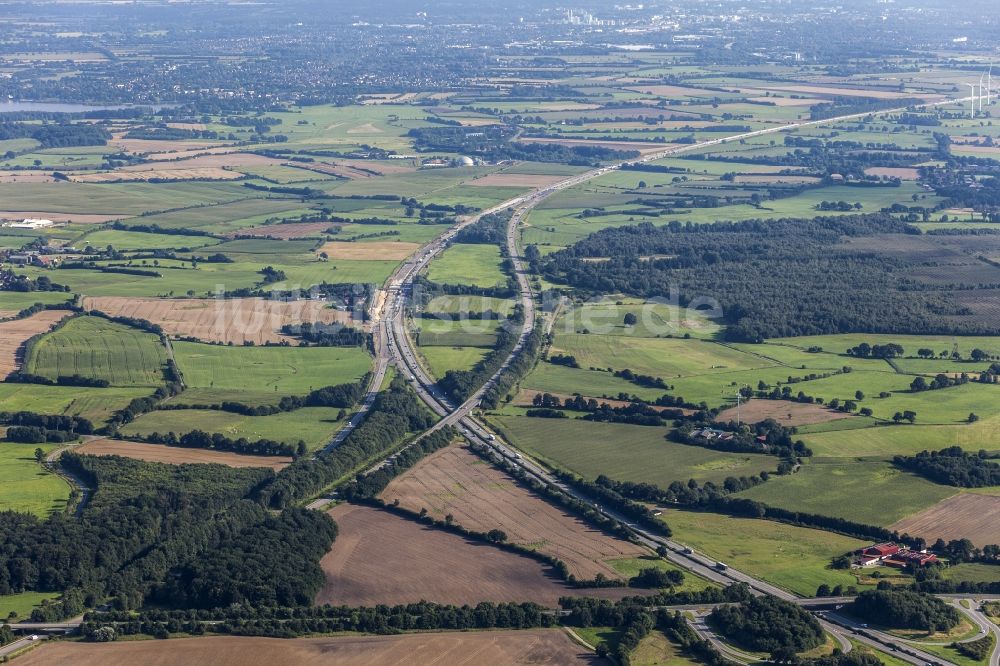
(953, 467)
(771, 279)
(768, 624)
(141, 520)
(903, 609)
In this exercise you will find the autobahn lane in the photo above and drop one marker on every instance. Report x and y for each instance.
(391, 322)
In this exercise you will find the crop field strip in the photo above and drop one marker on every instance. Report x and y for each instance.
(456, 482)
(173, 455)
(95, 348)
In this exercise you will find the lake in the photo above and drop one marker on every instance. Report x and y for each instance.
(53, 107)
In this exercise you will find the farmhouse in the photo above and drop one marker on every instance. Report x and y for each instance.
(892, 555)
(712, 433)
(32, 223)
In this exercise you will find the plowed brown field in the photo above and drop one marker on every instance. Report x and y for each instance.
(382, 558)
(481, 497)
(14, 333)
(232, 320)
(176, 455)
(963, 516)
(538, 646)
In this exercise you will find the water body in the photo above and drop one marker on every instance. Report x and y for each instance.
(11, 106)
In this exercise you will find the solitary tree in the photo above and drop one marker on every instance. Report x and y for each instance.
(630, 319)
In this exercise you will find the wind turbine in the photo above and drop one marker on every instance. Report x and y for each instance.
(981, 78)
(972, 100)
(989, 83)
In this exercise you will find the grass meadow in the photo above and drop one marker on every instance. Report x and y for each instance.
(25, 485)
(265, 373)
(314, 425)
(625, 452)
(794, 558)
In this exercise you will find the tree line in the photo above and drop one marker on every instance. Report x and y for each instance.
(953, 467)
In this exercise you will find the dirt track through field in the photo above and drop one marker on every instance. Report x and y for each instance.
(536, 646)
(14, 333)
(963, 516)
(379, 557)
(176, 455)
(481, 497)
(215, 320)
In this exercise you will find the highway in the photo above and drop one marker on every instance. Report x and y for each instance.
(394, 342)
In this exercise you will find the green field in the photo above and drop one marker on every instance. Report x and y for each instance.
(132, 240)
(905, 439)
(631, 566)
(625, 452)
(443, 359)
(97, 348)
(23, 603)
(657, 650)
(477, 265)
(96, 404)
(605, 317)
(314, 425)
(666, 358)
(972, 572)
(25, 485)
(453, 304)
(17, 301)
(866, 491)
(794, 558)
(263, 374)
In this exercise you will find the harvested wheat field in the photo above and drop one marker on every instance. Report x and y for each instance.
(481, 497)
(220, 320)
(903, 173)
(784, 412)
(176, 455)
(379, 557)
(26, 177)
(963, 516)
(14, 333)
(516, 180)
(374, 250)
(534, 646)
(121, 176)
(286, 231)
